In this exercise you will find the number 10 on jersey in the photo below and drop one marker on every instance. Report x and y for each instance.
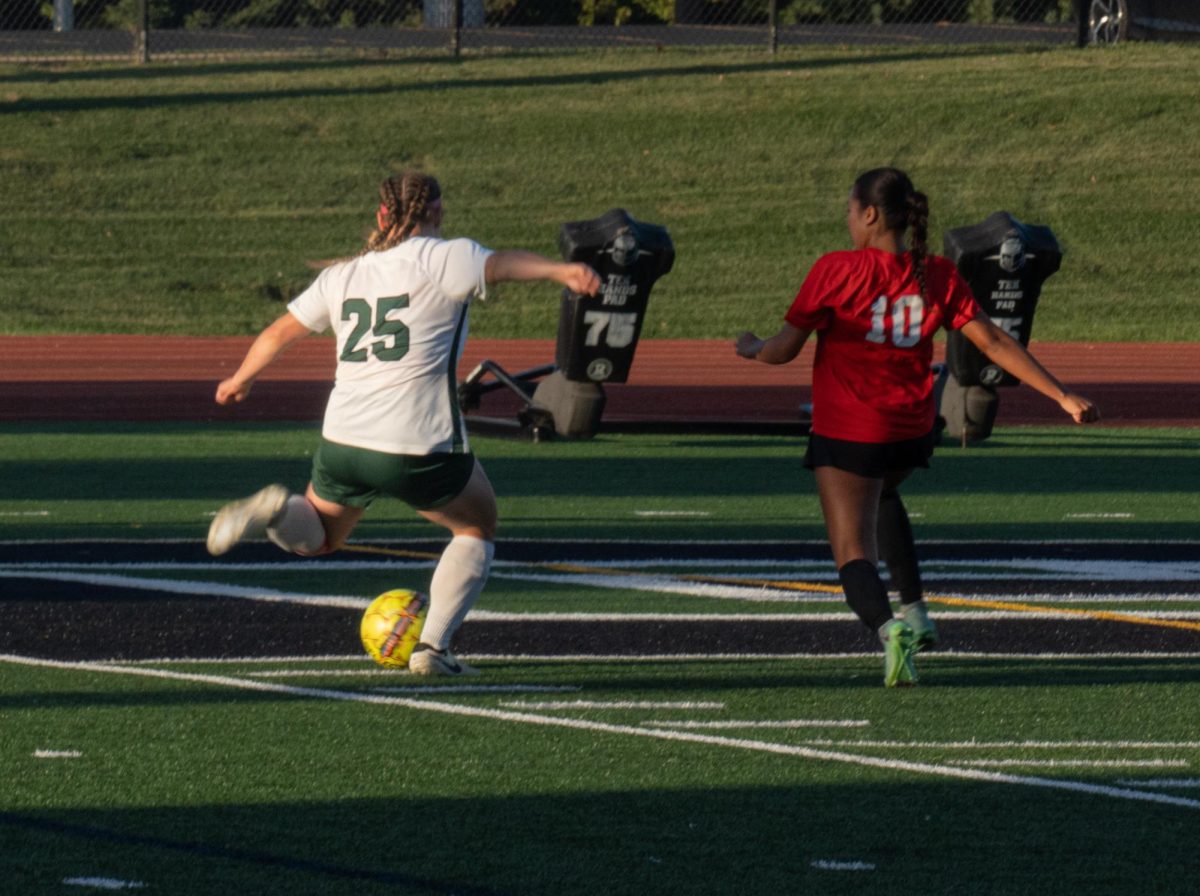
(906, 314)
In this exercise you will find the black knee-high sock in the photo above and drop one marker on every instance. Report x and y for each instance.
(865, 593)
(897, 547)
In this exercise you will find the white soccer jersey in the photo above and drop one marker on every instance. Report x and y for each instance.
(400, 318)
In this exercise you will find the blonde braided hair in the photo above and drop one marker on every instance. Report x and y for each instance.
(405, 201)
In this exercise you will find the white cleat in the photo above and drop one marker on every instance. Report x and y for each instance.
(247, 518)
(426, 660)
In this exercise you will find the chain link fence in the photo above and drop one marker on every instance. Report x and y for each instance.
(32, 30)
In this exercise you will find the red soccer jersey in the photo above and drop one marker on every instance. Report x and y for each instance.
(872, 379)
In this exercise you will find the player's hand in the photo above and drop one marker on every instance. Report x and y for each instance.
(1080, 408)
(581, 279)
(748, 345)
(231, 391)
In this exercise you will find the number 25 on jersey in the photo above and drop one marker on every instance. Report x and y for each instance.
(905, 313)
(394, 342)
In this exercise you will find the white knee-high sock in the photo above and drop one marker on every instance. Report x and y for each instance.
(298, 528)
(455, 586)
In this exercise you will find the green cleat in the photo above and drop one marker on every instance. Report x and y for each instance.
(898, 649)
(924, 631)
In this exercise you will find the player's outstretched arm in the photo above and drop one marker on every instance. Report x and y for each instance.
(266, 348)
(517, 264)
(1016, 359)
(781, 348)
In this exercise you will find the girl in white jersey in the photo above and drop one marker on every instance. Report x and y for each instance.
(392, 425)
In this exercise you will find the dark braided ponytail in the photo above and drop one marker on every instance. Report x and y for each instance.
(405, 204)
(903, 209)
(918, 225)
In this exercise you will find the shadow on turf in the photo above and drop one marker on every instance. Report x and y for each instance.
(666, 474)
(671, 679)
(654, 831)
(437, 81)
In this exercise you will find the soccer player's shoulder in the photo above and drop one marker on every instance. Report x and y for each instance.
(837, 264)
(842, 258)
(437, 253)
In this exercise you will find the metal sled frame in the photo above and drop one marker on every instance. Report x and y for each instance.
(536, 424)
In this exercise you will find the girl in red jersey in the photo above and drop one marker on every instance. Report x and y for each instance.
(875, 310)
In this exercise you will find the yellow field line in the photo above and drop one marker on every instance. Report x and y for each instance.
(390, 552)
(818, 587)
(1064, 611)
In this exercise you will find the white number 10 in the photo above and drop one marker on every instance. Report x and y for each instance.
(907, 314)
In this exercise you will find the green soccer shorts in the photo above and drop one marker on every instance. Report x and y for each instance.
(354, 477)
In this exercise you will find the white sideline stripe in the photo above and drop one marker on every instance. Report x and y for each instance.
(934, 569)
(661, 583)
(830, 865)
(672, 513)
(258, 660)
(749, 723)
(482, 689)
(103, 883)
(663, 657)
(174, 586)
(57, 754)
(823, 616)
(849, 655)
(1160, 782)
(517, 616)
(351, 602)
(206, 589)
(1014, 744)
(1072, 763)
(1129, 570)
(658, 583)
(612, 704)
(1100, 600)
(925, 768)
(320, 673)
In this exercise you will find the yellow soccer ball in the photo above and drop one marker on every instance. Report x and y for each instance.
(391, 626)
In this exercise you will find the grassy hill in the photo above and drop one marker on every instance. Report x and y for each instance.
(190, 198)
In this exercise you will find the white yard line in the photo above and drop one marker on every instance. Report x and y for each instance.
(481, 689)
(831, 865)
(666, 583)
(613, 704)
(1072, 763)
(218, 589)
(671, 513)
(660, 583)
(782, 724)
(204, 589)
(923, 768)
(103, 883)
(1014, 744)
(736, 657)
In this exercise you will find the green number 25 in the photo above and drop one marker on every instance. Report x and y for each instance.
(378, 325)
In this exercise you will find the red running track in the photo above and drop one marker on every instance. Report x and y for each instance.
(173, 378)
